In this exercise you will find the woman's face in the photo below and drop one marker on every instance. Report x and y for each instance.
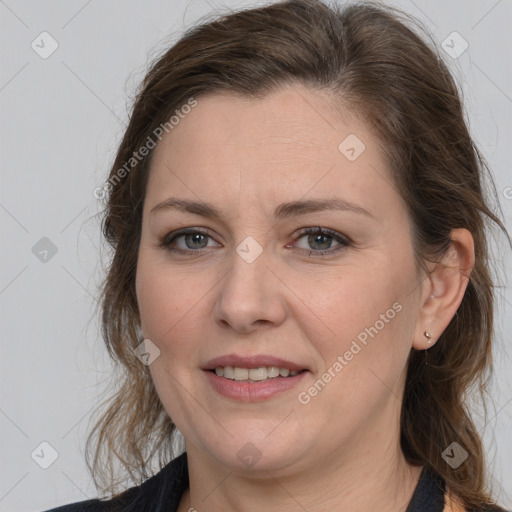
(235, 273)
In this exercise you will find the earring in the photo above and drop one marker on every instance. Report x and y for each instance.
(428, 336)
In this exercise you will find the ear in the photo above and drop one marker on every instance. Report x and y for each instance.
(444, 288)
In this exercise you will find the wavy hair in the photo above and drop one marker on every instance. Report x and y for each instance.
(374, 61)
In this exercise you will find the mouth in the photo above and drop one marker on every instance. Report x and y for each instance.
(260, 374)
(253, 378)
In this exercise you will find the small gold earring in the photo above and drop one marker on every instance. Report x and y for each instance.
(428, 336)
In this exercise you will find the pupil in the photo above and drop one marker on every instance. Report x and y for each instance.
(195, 238)
(323, 240)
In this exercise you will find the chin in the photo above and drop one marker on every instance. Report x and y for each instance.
(255, 454)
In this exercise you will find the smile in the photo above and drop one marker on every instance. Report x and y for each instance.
(252, 384)
(253, 374)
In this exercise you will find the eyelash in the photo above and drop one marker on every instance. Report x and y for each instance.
(343, 240)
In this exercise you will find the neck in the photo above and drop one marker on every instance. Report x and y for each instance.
(362, 477)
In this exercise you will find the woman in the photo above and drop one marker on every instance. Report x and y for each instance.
(300, 282)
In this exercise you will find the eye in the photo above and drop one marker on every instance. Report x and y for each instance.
(320, 241)
(316, 241)
(187, 241)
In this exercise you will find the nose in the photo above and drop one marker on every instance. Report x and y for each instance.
(250, 296)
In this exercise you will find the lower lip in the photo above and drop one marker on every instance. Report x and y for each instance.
(252, 391)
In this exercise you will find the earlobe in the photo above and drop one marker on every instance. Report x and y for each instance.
(445, 287)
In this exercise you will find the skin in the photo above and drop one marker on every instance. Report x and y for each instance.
(245, 157)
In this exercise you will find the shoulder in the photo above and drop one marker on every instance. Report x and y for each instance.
(162, 491)
(83, 506)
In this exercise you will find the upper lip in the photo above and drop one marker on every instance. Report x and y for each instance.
(255, 361)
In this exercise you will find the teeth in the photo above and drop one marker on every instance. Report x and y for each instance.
(229, 372)
(257, 373)
(253, 374)
(241, 374)
(273, 371)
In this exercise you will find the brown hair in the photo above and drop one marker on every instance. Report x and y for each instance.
(367, 58)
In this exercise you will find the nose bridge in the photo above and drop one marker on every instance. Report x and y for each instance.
(248, 271)
(249, 293)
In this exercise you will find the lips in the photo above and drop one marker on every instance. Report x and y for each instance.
(256, 361)
(243, 382)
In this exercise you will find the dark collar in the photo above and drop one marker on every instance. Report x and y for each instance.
(428, 495)
(163, 491)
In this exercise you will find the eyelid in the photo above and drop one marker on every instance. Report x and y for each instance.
(169, 238)
(343, 240)
(323, 231)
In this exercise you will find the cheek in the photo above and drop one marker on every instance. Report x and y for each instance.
(362, 341)
(170, 304)
(362, 315)
(172, 312)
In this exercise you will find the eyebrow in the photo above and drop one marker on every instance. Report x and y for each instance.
(283, 211)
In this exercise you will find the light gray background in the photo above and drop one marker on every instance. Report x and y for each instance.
(62, 118)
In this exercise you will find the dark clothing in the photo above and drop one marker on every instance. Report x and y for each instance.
(163, 491)
(160, 493)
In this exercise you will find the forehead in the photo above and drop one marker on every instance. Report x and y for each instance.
(291, 143)
(289, 119)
